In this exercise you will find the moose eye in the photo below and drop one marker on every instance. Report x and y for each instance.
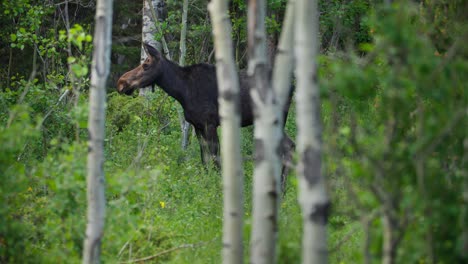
(145, 66)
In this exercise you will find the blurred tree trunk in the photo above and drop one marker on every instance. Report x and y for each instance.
(282, 74)
(148, 31)
(96, 123)
(389, 238)
(185, 126)
(267, 137)
(313, 197)
(183, 34)
(228, 85)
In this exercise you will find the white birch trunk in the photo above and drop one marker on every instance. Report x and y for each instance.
(284, 59)
(267, 136)
(183, 34)
(157, 28)
(95, 165)
(150, 27)
(185, 126)
(312, 190)
(229, 111)
(282, 73)
(148, 30)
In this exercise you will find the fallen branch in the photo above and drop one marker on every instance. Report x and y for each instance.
(165, 252)
(53, 107)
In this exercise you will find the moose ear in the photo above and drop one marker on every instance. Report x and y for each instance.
(151, 51)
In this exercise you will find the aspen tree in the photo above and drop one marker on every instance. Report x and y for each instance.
(96, 123)
(282, 75)
(312, 191)
(184, 125)
(267, 136)
(229, 112)
(148, 30)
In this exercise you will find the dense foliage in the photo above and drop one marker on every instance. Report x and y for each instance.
(393, 81)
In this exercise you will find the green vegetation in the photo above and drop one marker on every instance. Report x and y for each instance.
(393, 81)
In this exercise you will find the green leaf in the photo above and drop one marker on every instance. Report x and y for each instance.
(76, 68)
(83, 123)
(13, 37)
(366, 47)
(345, 130)
(84, 71)
(71, 60)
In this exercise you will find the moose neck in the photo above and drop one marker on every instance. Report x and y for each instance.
(172, 82)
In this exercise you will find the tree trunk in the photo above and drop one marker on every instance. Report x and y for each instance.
(228, 85)
(95, 179)
(312, 190)
(154, 12)
(284, 58)
(183, 34)
(389, 238)
(148, 31)
(267, 135)
(185, 126)
(282, 74)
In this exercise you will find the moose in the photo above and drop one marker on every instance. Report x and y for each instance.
(195, 87)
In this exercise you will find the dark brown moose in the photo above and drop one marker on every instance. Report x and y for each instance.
(195, 88)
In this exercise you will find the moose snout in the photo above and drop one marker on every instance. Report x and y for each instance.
(128, 83)
(121, 85)
(124, 85)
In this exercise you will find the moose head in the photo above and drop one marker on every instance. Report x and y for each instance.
(144, 75)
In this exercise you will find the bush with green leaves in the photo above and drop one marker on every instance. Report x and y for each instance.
(398, 135)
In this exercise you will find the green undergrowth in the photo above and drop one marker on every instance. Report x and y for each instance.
(161, 201)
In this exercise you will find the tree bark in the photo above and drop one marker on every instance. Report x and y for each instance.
(185, 126)
(96, 124)
(267, 135)
(389, 239)
(282, 74)
(151, 19)
(284, 59)
(183, 34)
(148, 30)
(229, 111)
(313, 197)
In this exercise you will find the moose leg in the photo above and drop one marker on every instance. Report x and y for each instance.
(211, 136)
(203, 146)
(209, 145)
(287, 150)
